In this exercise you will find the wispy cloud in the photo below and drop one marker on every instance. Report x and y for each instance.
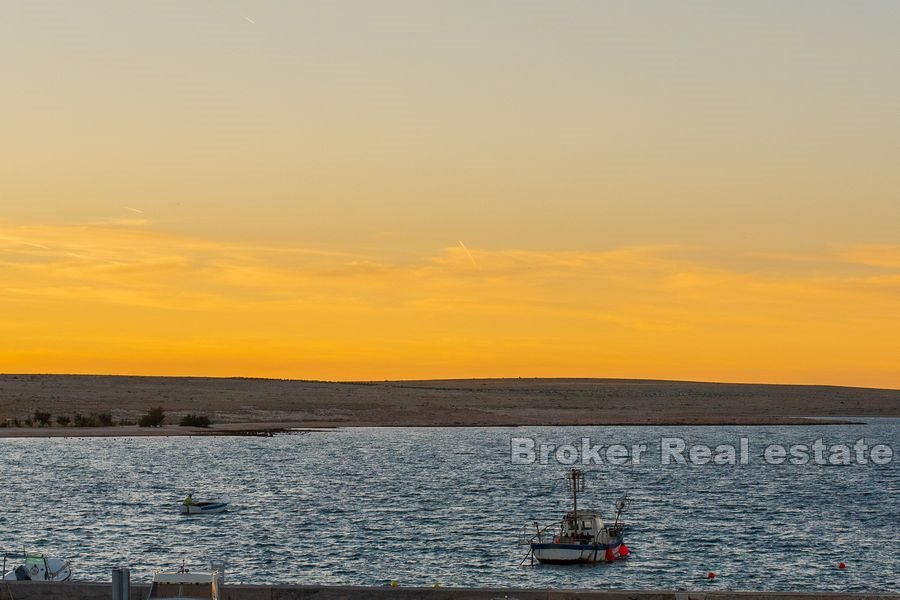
(878, 255)
(648, 310)
(469, 254)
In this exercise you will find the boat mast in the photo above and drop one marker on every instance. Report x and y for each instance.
(575, 492)
(576, 482)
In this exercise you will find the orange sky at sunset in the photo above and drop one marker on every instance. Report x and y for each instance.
(347, 190)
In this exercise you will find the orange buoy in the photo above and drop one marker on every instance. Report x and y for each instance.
(609, 555)
(623, 550)
(710, 575)
(842, 566)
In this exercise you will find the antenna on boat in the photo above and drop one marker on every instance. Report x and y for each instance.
(576, 484)
(621, 505)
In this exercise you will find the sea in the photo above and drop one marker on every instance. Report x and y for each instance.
(450, 506)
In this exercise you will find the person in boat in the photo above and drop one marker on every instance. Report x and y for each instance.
(189, 501)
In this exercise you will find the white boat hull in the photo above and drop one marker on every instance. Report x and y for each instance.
(185, 585)
(569, 554)
(38, 568)
(209, 506)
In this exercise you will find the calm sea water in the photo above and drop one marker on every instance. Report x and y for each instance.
(445, 505)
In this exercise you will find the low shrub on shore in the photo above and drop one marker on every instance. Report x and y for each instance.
(81, 420)
(191, 420)
(93, 420)
(42, 418)
(153, 418)
(45, 419)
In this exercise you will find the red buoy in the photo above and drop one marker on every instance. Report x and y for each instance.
(710, 575)
(842, 566)
(623, 550)
(609, 555)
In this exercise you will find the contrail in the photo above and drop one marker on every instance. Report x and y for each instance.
(134, 210)
(474, 264)
(250, 20)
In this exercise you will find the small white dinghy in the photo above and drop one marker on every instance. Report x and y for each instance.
(33, 566)
(204, 506)
(184, 585)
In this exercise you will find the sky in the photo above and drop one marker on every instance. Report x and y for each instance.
(397, 190)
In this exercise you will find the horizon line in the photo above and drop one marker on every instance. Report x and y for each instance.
(439, 379)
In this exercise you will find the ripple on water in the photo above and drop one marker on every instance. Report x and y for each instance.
(423, 506)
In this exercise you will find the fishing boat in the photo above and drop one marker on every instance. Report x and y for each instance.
(184, 585)
(205, 506)
(581, 536)
(33, 566)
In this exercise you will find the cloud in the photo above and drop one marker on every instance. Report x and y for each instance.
(164, 270)
(664, 311)
(877, 255)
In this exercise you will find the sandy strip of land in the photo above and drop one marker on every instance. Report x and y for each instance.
(249, 406)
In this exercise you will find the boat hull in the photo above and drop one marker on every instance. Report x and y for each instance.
(38, 568)
(206, 507)
(185, 585)
(571, 554)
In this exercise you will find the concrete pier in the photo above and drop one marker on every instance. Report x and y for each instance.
(29, 590)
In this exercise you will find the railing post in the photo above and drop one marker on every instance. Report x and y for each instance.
(121, 583)
(219, 565)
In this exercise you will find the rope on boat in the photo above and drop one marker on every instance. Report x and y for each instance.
(529, 554)
(3, 581)
(51, 574)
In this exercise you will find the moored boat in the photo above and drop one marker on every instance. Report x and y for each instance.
(34, 566)
(184, 585)
(581, 537)
(204, 506)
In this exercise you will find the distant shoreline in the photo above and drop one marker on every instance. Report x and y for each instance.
(271, 429)
(268, 406)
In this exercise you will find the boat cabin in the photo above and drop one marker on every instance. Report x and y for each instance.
(582, 527)
(185, 586)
